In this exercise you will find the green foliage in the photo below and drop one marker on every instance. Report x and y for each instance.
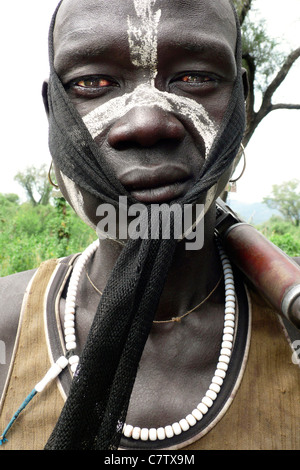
(283, 234)
(286, 243)
(285, 198)
(9, 198)
(36, 185)
(31, 234)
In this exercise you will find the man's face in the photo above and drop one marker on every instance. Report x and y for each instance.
(152, 80)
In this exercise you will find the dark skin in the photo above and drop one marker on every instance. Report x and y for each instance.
(93, 61)
(147, 139)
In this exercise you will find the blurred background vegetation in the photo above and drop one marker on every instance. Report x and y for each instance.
(46, 227)
(31, 234)
(41, 228)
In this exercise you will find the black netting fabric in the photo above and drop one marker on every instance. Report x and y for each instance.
(95, 411)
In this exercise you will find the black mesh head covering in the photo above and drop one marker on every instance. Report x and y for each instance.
(95, 411)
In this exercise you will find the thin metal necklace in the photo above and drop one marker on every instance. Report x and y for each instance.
(173, 319)
(164, 432)
(72, 359)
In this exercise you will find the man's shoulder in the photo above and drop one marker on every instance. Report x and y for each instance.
(13, 287)
(15, 284)
(12, 290)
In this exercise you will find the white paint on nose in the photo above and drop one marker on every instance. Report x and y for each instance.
(147, 96)
(142, 37)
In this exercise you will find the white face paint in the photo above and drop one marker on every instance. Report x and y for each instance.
(143, 96)
(76, 200)
(142, 38)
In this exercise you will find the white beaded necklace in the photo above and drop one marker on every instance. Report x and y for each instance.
(72, 359)
(207, 401)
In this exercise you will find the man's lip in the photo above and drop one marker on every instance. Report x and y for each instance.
(156, 184)
(160, 194)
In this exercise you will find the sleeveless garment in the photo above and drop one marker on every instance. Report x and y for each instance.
(262, 411)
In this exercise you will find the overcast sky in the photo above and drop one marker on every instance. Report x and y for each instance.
(273, 154)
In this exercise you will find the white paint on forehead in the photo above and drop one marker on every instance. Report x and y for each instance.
(148, 96)
(142, 36)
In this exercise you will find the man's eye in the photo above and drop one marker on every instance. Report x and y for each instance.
(196, 83)
(95, 83)
(196, 78)
(90, 86)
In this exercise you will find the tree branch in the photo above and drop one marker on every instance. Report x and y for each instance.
(284, 106)
(281, 75)
(266, 105)
(244, 10)
(249, 63)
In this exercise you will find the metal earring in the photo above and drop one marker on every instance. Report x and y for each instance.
(232, 182)
(50, 179)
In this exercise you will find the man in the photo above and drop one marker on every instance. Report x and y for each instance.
(146, 100)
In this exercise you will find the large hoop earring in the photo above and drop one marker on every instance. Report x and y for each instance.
(50, 179)
(233, 181)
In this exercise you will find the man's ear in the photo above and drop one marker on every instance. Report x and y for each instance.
(245, 82)
(45, 96)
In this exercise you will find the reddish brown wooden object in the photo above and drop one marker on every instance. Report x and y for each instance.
(275, 275)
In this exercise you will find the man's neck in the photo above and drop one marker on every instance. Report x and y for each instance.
(192, 275)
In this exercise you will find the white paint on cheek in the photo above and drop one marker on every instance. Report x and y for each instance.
(147, 96)
(142, 36)
(76, 200)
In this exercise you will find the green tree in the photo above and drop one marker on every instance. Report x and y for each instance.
(286, 243)
(10, 198)
(283, 234)
(31, 234)
(36, 185)
(286, 199)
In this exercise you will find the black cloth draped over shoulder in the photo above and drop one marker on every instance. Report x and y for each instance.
(95, 411)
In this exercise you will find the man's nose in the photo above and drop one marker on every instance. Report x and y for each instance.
(145, 127)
